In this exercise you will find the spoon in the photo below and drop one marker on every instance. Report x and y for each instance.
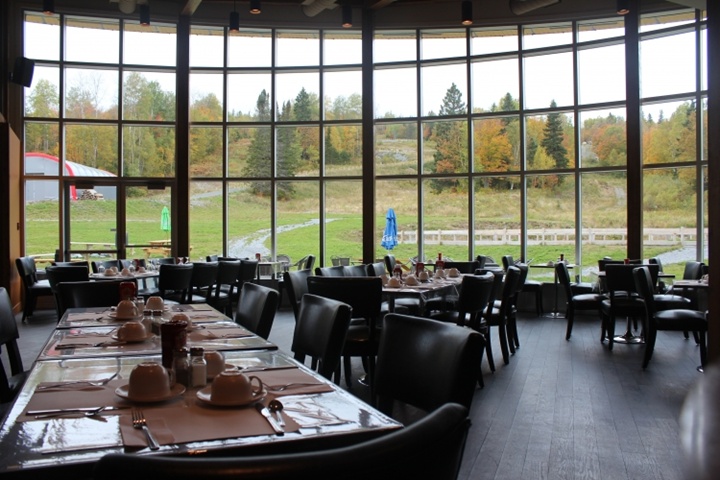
(276, 407)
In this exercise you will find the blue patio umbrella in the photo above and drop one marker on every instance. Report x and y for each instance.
(390, 237)
(165, 220)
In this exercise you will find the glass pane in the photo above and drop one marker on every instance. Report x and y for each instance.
(206, 219)
(667, 65)
(298, 231)
(143, 212)
(148, 151)
(497, 217)
(206, 152)
(302, 141)
(93, 223)
(442, 43)
(669, 219)
(42, 37)
(42, 229)
(43, 99)
(343, 150)
(546, 35)
(496, 143)
(250, 152)
(550, 222)
(445, 150)
(396, 148)
(604, 220)
(599, 29)
(704, 130)
(603, 137)
(94, 146)
(669, 132)
(239, 141)
(249, 226)
(249, 97)
(401, 196)
(153, 45)
(495, 85)
(91, 93)
(395, 92)
(704, 59)
(250, 48)
(601, 74)
(548, 78)
(42, 164)
(300, 90)
(206, 94)
(149, 96)
(297, 48)
(343, 95)
(659, 20)
(43, 139)
(92, 40)
(445, 221)
(549, 141)
(444, 90)
(207, 47)
(343, 227)
(394, 46)
(493, 40)
(342, 48)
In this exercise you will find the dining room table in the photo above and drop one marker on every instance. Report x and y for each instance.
(423, 290)
(75, 406)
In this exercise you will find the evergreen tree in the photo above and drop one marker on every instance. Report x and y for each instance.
(288, 153)
(258, 158)
(552, 140)
(450, 141)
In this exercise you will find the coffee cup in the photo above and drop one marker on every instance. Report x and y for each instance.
(411, 280)
(132, 331)
(393, 282)
(114, 270)
(233, 386)
(423, 276)
(148, 380)
(108, 272)
(453, 272)
(126, 309)
(440, 273)
(181, 317)
(215, 362)
(154, 303)
(125, 272)
(141, 269)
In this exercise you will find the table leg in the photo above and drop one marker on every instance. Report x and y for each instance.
(628, 337)
(555, 313)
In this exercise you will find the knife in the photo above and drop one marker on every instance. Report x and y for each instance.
(273, 423)
(71, 410)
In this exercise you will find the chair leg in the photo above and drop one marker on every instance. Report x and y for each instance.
(686, 334)
(538, 303)
(502, 333)
(488, 350)
(611, 331)
(650, 346)
(697, 338)
(703, 347)
(570, 314)
(348, 371)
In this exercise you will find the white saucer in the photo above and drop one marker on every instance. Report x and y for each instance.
(148, 337)
(393, 286)
(123, 392)
(114, 315)
(204, 396)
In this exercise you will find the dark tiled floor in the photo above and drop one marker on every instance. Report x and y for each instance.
(559, 410)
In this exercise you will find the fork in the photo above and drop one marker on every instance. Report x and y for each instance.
(93, 383)
(280, 388)
(139, 422)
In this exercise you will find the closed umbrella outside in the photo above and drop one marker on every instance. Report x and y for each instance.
(390, 237)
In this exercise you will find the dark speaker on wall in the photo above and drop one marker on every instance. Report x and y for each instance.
(23, 72)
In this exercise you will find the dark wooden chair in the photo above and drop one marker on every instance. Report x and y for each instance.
(336, 271)
(295, 283)
(57, 274)
(11, 384)
(256, 308)
(497, 316)
(529, 286)
(202, 282)
(320, 333)
(431, 448)
(85, 294)
(173, 282)
(32, 287)
(223, 291)
(575, 301)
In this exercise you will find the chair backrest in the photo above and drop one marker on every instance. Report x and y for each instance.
(693, 270)
(619, 278)
(426, 363)
(376, 269)
(355, 271)
(656, 261)
(256, 308)
(481, 259)
(507, 262)
(475, 292)
(509, 290)
(363, 294)
(227, 275)
(463, 267)
(430, 448)
(296, 287)
(309, 263)
(89, 294)
(211, 258)
(27, 271)
(320, 332)
(8, 339)
(248, 271)
(78, 263)
(389, 263)
(59, 274)
(563, 276)
(336, 271)
(165, 261)
(204, 276)
(105, 264)
(498, 283)
(175, 278)
(644, 287)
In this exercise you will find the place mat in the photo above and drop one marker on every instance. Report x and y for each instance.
(193, 307)
(298, 382)
(199, 335)
(195, 421)
(89, 342)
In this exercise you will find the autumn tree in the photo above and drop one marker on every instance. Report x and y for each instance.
(43, 102)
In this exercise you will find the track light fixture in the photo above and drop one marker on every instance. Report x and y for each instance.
(145, 14)
(234, 20)
(623, 7)
(255, 7)
(467, 12)
(48, 7)
(346, 16)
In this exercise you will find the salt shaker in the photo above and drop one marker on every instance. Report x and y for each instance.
(181, 367)
(198, 367)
